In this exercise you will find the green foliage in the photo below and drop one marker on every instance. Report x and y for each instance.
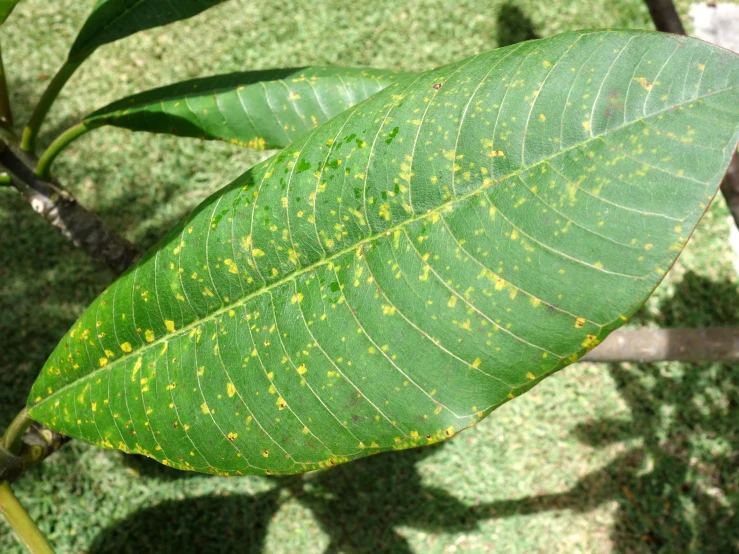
(109, 21)
(257, 109)
(629, 457)
(404, 269)
(113, 20)
(6, 6)
(261, 109)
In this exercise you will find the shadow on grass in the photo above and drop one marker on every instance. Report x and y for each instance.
(358, 505)
(514, 25)
(686, 415)
(45, 282)
(207, 524)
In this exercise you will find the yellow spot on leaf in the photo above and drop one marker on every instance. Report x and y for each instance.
(136, 368)
(126, 347)
(590, 342)
(644, 83)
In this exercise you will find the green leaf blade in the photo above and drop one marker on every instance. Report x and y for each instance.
(402, 270)
(112, 20)
(6, 7)
(258, 109)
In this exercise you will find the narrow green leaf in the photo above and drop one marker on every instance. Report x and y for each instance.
(398, 273)
(256, 109)
(113, 20)
(6, 6)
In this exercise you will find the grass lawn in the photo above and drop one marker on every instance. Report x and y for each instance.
(624, 458)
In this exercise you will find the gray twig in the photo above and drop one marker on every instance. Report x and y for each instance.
(712, 344)
(50, 200)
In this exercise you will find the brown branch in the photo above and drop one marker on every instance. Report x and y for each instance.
(730, 188)
(665, 16)
(59, 207)
(713, 344)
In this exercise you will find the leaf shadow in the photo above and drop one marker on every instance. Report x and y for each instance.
(389, 493)
(206, 524)
(686, 497)
(514, 25)
(359, 506)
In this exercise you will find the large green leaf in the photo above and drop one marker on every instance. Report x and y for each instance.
(404, 269)
(257, 109)
(113, 20)
(6, 6)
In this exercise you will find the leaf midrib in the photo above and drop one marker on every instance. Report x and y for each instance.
(303, 270)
